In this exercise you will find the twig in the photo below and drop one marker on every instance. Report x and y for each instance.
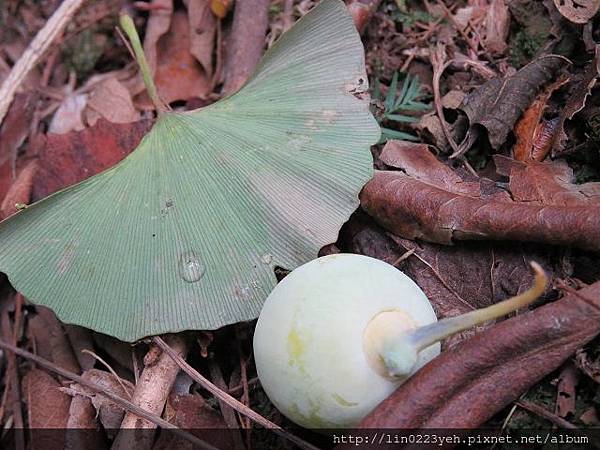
(110, 369)
(439, 64)
(543, 412)
(12, 386)
(150, 393)
(43, 39)
(238, 406)
(228, 413)
(125, 404)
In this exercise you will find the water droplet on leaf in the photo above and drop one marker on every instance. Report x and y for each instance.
(190, 267)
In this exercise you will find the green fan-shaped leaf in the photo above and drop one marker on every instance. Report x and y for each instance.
(184, 233)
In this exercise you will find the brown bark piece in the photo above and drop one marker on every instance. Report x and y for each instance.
(467, 385)
(48, 409)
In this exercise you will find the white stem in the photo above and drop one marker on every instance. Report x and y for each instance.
(398, 352)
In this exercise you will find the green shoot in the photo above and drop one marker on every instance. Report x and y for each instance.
(396, 100)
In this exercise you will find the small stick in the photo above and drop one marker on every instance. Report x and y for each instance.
(439, 64)
(12, 390)
(125, 404)
(543, 412)
(228, 413)
(151, 392)
(221, 395)
(43, 39)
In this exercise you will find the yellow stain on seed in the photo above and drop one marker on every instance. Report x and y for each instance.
(342, 401)
(295, 346)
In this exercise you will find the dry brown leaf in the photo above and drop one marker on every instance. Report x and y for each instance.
(497, 24)
(20, 191)
(13, 132)
(120, 352)
(546, 183)
(69, 115)
(566, 392)
(50, 340)
(362, 11)
(535, 135)
(589, 363)
(178, 75)
(497, 104)
(82, 417)
(466, 385)
(110, 99)
(578, 11)
(158, 25)
(220, 8)
(69, 158)
(191, 412)
(203, 28)
(581, 89)
(81, 339)
(48, 409)
(419, 205)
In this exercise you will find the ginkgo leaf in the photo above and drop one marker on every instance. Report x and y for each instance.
(184, 233)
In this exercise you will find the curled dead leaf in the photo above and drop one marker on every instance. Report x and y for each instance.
(535, 135)
(423, 201)
(546, 183)
(497, 104)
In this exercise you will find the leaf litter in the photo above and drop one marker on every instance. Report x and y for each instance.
(465, 275)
